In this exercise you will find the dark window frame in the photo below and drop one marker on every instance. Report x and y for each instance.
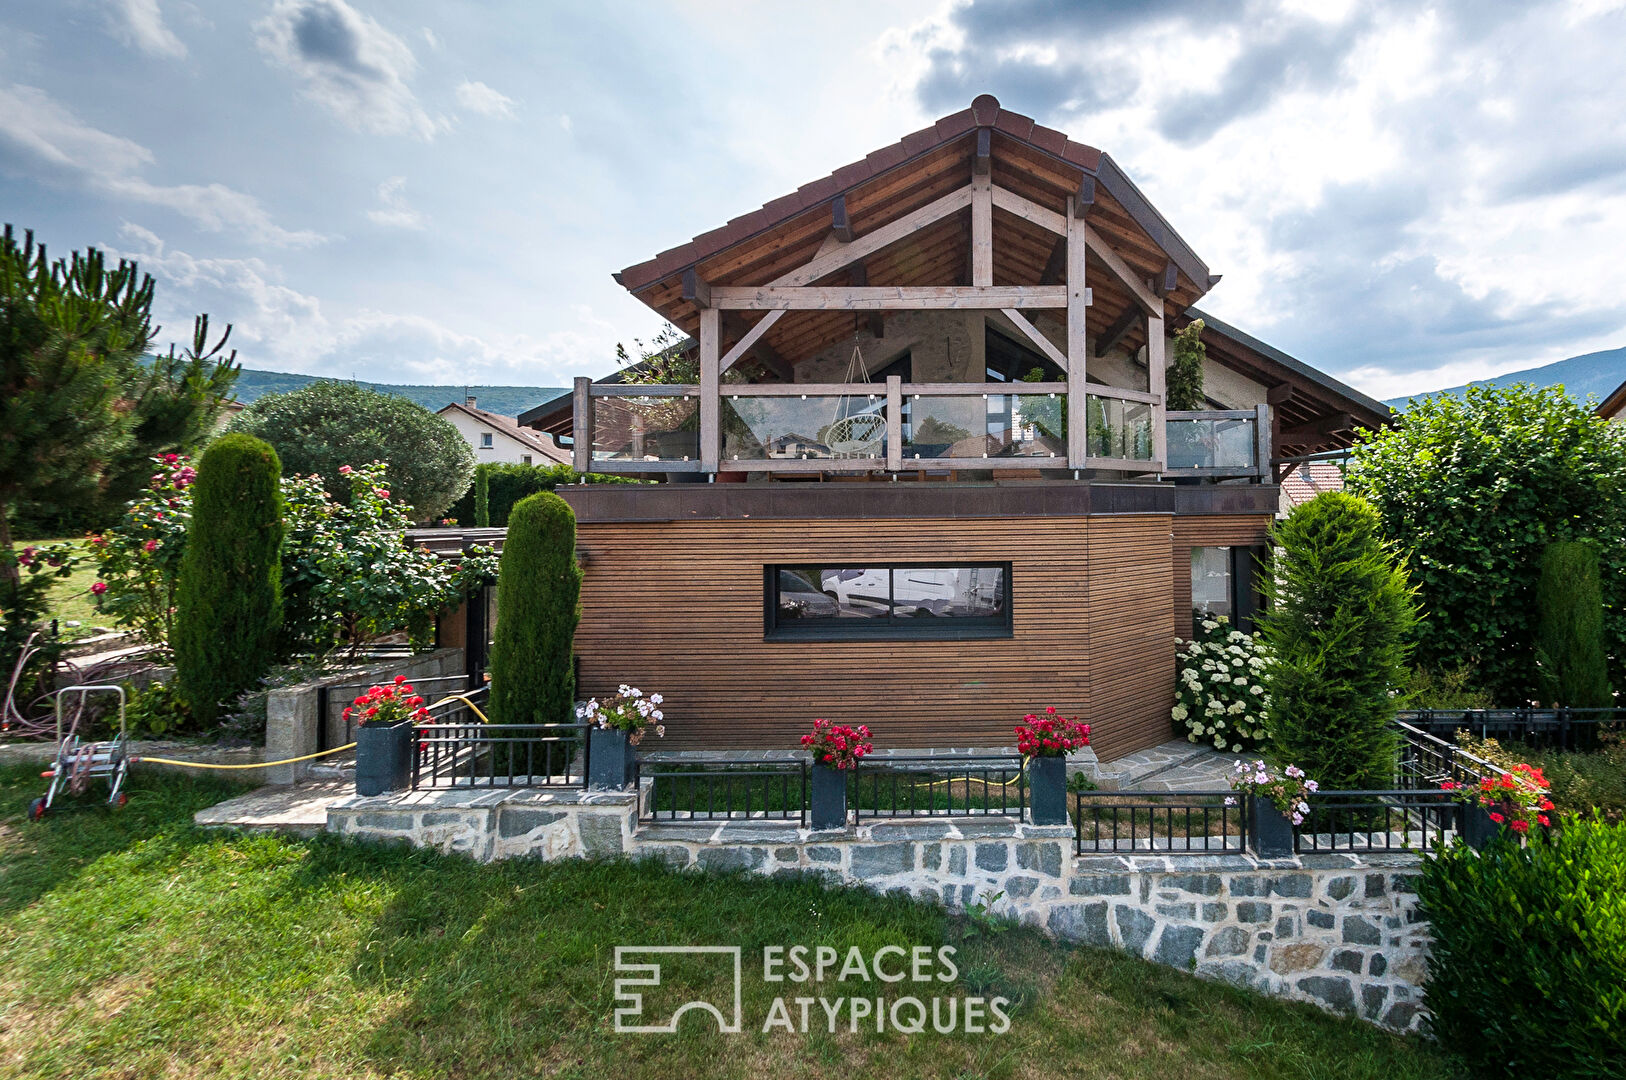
(1245, 581)
(890, 628)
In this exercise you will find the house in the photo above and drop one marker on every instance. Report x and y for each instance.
(965, 333)
(495, 437)
(1309, 479)
(1614, 406)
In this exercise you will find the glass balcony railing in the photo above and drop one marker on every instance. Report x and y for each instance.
(1116, 428)
(816, 427)
(1213, 443)
(976, 426)
(646, 428)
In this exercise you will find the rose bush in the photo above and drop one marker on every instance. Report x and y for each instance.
(628, 711)
(138, 561)
(1219, 690)
(838, 745)
(1049, 734)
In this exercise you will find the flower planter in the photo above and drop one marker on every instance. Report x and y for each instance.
(827, 797)
(1270, 833)
(611, 760)
(1047, 790)
(1477, 827)
(383, 758)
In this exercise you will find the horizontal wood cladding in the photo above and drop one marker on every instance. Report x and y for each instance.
(677, 607)
(1238, 530)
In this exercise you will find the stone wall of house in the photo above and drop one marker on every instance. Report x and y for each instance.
(1340, 931)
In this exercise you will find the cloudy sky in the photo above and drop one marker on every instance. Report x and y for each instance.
(1406, 195)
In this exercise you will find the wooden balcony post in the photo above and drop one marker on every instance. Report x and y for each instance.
(581, 425)
(1156, 372)
(894, 423)
(1262, 443)
(1078, 308)
(711, 444)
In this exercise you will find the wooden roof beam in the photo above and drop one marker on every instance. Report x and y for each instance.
(1056, 265)
(874, 319)
(889, 298)
(696, 289)
(982, 163)
(841, 226)
(1044, 217)
(876, 239)
(1117, 331)
(1319, 429)
(1084, 197)
(1167, 281)
(1280, 394)
(749, 340)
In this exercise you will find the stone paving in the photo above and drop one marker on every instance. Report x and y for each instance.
(297, 808)
(1176, 765)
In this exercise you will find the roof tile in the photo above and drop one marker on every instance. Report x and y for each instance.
(954, 124)
(1014, 123)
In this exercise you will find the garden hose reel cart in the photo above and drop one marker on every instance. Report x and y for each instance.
(78, 761)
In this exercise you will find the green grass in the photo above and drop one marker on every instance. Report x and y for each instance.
(70, 597)
(134, 945)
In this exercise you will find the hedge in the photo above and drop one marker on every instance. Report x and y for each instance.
(504, 485)
(538, 586)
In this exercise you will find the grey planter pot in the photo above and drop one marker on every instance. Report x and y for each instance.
(612, 761)
(1047, 790)
(827, 797)
(383, 758)
(1477, 827)
(1270, 832)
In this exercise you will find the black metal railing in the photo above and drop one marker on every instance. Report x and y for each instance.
(1160, 822)
(1426, 761)
(938, 786)
(1405, 819)
(1563, 728)
(713, 791)
(472, 754)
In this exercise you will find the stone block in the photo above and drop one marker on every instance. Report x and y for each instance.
(1372, 999)
(1285, 959)
(1020, 887)
(1202, 884)
(880, 860)
(601, 835)
(1085, 923)
(915, 832)
(517, 822)
(1213, 912)
(1042, 856)
(673, 855)
(1340, 888)
(1379, 965)
(1376, 886)
(1248, 885)
(1360, 931)
(1401, 1015)
(448, 817)
(824, 854)
(956, 860)
(1348, 960)
(1178, 945)
(992, 856)
(1403, 883)
(1321, 920)
(1298, 886)
(1410, 969)
(1286, 927)
(1178, 911)
(396, 823)
(731, 858)
(931, 856)
(1134, 929)
(1227, 941)
(1235, 972)
(1253, 911)
(1331, 990)
(787, 855)
(1100, 885)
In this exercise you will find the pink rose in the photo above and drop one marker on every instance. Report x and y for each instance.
(345, 470)
(381, 493)
(98, 588)
(150, 545)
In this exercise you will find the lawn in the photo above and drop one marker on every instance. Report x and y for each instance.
(71, 603)
(133, 944)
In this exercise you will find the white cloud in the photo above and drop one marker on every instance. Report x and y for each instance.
(45, 139)
(395, 213)
(349, 64)
(139, 24)
(477, 97)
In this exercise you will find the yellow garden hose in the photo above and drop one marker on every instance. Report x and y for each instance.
(307, 757)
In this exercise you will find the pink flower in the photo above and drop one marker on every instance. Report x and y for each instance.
(150, 545)
(345, 470)
(170, 459)
(381, 493)
(98, 588)
(26, 558)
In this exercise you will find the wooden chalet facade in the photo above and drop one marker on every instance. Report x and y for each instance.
(925, 479)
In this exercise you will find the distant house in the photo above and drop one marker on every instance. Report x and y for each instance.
(1614, 406)
(1308, 480)
(500, 438)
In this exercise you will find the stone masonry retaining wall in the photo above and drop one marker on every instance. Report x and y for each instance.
(1340, 931)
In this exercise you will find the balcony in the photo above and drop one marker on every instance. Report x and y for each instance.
(893, 426)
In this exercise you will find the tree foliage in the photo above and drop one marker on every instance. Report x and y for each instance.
(505, 484)
(325, 425)
(1183, 386)
(1473, 489)
(229, 600)
(538, 586)
(1572, 660)
(1338, 623)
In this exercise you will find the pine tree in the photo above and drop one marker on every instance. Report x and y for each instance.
(229, 599)
(1570, 652)
(1338, 623)
(538, 587)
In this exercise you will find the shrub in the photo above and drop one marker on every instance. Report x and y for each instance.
(156, 710)
(1445, 688)
(1339, 619)
(1570, 652)
(538, 585)
(229, 600)
(482, 497)
(324, 425)
(139, 559)
(1183, 387)
(25, 598)
(1219, 688)
(1472, 489)
(506, 484)
(1527, 971)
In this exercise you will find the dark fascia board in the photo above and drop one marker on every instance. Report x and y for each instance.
(547, 408)
(1298, 367)
(1615, 403)
(1112, 177)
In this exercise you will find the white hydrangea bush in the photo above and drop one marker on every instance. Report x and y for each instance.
(1220, 694)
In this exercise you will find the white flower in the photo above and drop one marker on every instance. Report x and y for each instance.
(656, 698)
(1179, 712)
(1256, 689)
(1219, 741)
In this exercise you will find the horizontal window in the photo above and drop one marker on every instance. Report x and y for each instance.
(833, 603)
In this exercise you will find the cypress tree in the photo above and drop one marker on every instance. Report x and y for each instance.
(1183, 386)
(1339, 622)
(482, 496)
(1570, 653)
(229, 596)
(538, 586)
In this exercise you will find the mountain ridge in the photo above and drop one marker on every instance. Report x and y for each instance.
(255, 383)
(1595, 373)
